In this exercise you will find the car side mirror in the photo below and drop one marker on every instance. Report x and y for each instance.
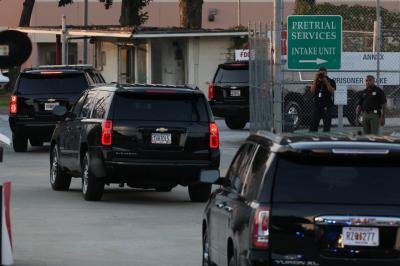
(60, 110)
(212, 177)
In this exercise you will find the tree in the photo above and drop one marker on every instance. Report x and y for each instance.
(132, 13)
(190, 13)
(24, 21)
(303, 6)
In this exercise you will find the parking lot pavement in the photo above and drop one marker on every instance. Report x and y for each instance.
(128, 227)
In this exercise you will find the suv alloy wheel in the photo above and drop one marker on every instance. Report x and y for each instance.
(206, 250)
(92, 187)
(59, 180)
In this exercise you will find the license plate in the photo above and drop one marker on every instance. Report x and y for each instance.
(50, 106)
(235, 93)
(161, 138)
(361, 236)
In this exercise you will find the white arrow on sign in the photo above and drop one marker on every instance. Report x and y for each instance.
(317, 61)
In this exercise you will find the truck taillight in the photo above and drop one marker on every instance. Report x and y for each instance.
(261, 227)
(13, 104)
(106, 133)
(214, 136)
(211, 91)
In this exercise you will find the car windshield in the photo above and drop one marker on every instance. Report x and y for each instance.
(161, 107)
(51, 83)
(337, 180)
(232, 75)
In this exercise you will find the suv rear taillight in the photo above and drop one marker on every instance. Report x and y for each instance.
(214, 136)
(106, 133)
(261, 227)
(13, 104)
(211, 91)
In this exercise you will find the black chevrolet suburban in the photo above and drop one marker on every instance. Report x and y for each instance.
(145, 136)
(315, 200)
(38, 90)
(228, 94)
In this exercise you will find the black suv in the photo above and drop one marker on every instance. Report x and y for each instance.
(37, 91)
(147, 136)
(228, 94)
(313, 200)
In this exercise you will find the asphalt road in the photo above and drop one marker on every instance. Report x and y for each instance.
(128, 227)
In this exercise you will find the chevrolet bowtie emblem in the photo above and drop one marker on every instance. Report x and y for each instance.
(162, 129)
(51, 100)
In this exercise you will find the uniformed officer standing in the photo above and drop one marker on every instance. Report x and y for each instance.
(373, 106)
(322, 90)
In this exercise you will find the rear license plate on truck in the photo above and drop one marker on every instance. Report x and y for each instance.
(50, 106)
(161, 138)
(235, 93)
(361, 236)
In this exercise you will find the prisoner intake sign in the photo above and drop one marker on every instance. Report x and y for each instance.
(314, 42)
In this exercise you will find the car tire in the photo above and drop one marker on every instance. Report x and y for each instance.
(36, 143)
(20, 142)
(292, 112)
(59, 180)
(199, 192)
(92, 186)
(206, 261)
(235, 122)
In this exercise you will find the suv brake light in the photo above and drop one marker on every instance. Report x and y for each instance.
(106, 133)
(13, 104)
(211, 91)
(214, 136)
(261, 227)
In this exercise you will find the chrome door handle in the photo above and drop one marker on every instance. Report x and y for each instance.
(219, 205)
(228, 209)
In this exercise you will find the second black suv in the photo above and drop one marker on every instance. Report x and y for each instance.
(314, 200)
(228, 94)
(37, 91)
(145, 136)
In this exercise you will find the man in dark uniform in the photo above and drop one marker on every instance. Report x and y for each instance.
(322, 90)
(373, 106)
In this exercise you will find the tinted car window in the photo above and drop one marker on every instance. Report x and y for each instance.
(337, 180)
(51, 83)
(87, 106)
(150, 107)
(78, 105)
(240, 165)
(100, 105)
(232, 75)
(256, 174)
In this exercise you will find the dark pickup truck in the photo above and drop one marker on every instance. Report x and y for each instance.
(228, 94)
(314, 200)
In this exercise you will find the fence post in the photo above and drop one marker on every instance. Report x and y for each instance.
(378, 41)
(277, 67)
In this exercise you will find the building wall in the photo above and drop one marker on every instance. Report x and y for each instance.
(110, 68)
(204, 55)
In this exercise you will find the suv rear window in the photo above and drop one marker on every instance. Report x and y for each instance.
(362, 180)
(232, 75)
(51, 83)
(150, 107)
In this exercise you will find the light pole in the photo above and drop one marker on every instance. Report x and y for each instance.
(238, 11)
(85, 22)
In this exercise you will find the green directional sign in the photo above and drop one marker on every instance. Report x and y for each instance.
(314, 42)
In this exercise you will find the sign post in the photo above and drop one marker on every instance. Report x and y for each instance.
(314, 42)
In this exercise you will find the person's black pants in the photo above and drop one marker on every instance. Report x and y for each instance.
(324, 113)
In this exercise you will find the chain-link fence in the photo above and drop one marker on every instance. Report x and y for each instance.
(360, 43)
(261, 97)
